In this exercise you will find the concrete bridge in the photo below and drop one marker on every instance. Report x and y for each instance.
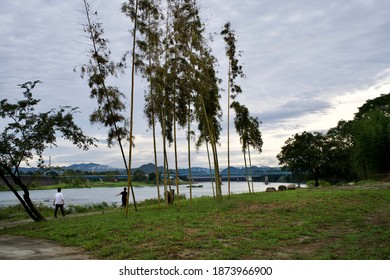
(198, 174)
(203, 174)
(257, 174)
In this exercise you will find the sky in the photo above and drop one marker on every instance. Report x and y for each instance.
(308, 65)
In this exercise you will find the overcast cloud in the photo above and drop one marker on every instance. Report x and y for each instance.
(308, 64)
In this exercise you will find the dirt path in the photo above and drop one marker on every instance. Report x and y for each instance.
(27, 248)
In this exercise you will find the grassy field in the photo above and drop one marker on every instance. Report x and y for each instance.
(323, 223)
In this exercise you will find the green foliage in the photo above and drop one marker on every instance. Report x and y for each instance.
(302, 154)
(369, 135)
(139, 176)
(27, 134)
(354, 150)
(247, 127)
(322, 183)
(99, 70)
(152, 177)
(235, 69)
(172, 54)
(371, 152)
(86, 208)
(16, 212)
(100, 67)
(381, 103)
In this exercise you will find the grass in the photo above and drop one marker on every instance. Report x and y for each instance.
(17, 212)
(324, 223)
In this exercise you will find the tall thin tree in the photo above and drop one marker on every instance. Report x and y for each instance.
(247, 128)
(234, 71)
(99, 69)
(147, 62)
(208, 110)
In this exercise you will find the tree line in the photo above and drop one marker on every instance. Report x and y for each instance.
(169, 49)
(354, 150)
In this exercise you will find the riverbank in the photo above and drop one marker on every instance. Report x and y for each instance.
(87, 185)
(83, 196)
(323, 223)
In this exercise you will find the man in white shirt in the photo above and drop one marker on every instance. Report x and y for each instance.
(58, 202)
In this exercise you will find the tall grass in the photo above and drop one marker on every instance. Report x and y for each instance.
(17, 212)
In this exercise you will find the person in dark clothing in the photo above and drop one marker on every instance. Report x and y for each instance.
(124, 197)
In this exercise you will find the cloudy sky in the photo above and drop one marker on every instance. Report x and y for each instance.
(308, 64)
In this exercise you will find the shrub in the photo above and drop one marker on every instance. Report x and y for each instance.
(322, 183)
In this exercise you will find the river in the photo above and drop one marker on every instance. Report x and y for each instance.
(82, 196)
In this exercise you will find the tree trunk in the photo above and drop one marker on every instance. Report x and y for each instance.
(25, 200)
(153, 115)
(246, 172)
(176, 164)
(109, 103)
(189, 149)
(129, 184)
(228, 129)
(155, 156)
(250, 168)
(211, 177)
(218, 182)
(167, 177)
(317, 176)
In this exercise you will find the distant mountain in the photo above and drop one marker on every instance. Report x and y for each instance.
(234, 170)
(91, 167)
(150, 168)
(95, 167)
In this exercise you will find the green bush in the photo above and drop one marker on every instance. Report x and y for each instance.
(322, 183)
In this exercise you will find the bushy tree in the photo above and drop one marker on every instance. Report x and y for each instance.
(356, 149)
(338, 157)
(369, 135)
(302, 154)
(139, 176)
(27, 134)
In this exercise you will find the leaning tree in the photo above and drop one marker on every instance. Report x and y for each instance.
(27, 134)
(111, 107)
(247, 128)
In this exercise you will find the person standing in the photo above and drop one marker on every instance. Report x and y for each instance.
(58, 202)
(124, 197)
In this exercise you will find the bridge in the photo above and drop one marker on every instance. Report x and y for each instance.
(198, 174)
(257, 174)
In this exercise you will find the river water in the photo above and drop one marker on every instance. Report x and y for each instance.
(82, 196)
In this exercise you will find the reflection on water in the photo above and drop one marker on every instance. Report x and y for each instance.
(98, 195)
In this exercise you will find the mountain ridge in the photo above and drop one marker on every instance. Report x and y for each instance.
(146, 168)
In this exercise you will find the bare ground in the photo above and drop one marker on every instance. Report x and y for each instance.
(28, 248)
